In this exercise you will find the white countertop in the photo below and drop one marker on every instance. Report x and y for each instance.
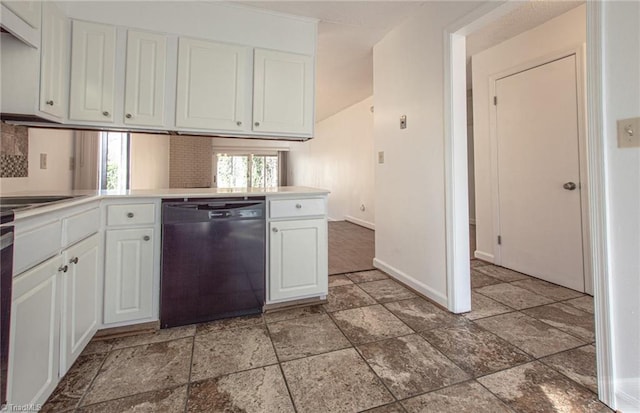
(86, 196)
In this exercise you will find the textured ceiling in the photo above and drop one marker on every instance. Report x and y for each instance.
(346, 34)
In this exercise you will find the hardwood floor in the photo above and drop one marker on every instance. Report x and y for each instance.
(351, 247)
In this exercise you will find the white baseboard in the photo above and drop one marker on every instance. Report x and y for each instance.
(626, 402)
(484, 256)
(472, 221)
(360, 222)
(412, 282)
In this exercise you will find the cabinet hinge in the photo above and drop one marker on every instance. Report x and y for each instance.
(499, 239)
(495, 101)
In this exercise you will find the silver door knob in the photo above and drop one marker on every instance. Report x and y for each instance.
(63, 268)
(130, 215)
(105, 113)
(146, 238)
(49, 102)
(73, 260)
(256, 124)
(569, 186)
(275, 230)
(239, 123)
(128, 116)
(298, 206)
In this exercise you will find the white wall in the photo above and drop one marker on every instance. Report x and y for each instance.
(149, 161)
(621, 55)
(557, 35)
(58, 145)
(409, 190)
(341, 159)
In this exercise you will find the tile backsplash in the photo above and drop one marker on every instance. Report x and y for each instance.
(14, 151)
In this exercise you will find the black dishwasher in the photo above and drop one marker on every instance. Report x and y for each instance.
(213, 259)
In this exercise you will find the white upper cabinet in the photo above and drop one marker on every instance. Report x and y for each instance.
(54, 86)
(144, 102)
(283, 94)
(92, 72)
(212, 78)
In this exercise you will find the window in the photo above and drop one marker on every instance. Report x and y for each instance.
(114, 167)
(242, 171)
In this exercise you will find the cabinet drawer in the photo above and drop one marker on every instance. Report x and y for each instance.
(131, 214)
(282, 208)
(36, 245)
(82, 225)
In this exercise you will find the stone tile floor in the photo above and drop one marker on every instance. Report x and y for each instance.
(527, 346)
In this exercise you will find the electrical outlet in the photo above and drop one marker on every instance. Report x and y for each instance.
(381, 157)
(43, 161)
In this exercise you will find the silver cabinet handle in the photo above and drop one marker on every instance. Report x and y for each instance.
(128, 116)
(275, 230)
(105, 113)
(74, 260)
(49, 102)
(63, 268)
(569, 186)
(129, 214)
(256, 124)
(146, 238)
(299, 206)
(239, 123)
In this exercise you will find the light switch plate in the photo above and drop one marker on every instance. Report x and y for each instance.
(629, 133)
(381, 157)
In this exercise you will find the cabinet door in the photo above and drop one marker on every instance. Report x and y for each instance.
(92, 72)
(34, 351)
(145, 77)
(212, 81)
(55, 61)
(282, 92)
(29, 11)
(298, 264)
(80, 300)
(128, 284)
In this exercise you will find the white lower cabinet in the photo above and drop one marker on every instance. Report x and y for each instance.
(298, 262)
(81, 296)
(34, 352)
(129, 265)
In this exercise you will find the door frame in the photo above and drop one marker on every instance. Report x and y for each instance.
(579, 52)
(455, 165)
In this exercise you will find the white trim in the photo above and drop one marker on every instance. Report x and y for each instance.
(360, 222)
(626, 402)
(596, 149)
(484, 256)
(411, 282)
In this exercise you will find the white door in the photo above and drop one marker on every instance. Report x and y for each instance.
(34, 351)
(298, 264)
(145, 79)
(212, 82)
(283, 92)
(538, 156)
(29, 11)
(92, 72)
(128, 280)
(80, 300)
(55, 61)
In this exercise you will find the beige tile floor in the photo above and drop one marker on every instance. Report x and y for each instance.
(526, 346)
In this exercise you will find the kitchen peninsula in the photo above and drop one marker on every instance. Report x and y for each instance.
(93, 262)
